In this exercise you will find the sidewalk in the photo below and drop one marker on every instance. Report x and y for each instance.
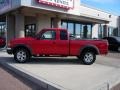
(10, 82)
(66, 73)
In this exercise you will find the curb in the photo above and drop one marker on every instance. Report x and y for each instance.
(39, 84)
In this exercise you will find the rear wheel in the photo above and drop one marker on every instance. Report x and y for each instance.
(87, 57)
(21, 55)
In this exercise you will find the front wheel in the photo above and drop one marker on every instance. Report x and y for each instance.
(88, 57)
(21, 55)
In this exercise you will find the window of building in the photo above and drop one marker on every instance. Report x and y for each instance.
(112, 31)
(100, 31)
(63, 35)
(30, 30)
(86, 31)
(3, 30)
(64, 25)
(48, 35)
(71, 28)
(78, 29)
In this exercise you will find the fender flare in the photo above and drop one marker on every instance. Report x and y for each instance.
(24, 46)
(90, 46)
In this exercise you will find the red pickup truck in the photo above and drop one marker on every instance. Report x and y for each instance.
(56, 42)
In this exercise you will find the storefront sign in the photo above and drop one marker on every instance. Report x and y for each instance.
(67, 4)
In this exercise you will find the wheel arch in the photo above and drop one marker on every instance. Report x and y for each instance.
(23, 47)
(90, 48)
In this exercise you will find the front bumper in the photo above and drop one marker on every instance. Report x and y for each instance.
(9, 51)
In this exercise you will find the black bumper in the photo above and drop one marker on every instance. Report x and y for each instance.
(9, 51)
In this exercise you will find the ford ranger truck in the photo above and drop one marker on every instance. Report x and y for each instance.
(56, 42)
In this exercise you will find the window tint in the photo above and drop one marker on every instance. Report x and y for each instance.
(49, 35)
(63, 35)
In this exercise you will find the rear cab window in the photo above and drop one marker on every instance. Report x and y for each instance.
(63, 35)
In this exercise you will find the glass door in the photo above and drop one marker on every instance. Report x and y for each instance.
(30, 30)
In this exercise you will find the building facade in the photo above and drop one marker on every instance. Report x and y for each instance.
(22, 18)
(119, 26)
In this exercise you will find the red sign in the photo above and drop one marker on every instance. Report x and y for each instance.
(67, 4)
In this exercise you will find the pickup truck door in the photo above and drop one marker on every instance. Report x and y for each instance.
(62, 45)
(46, 44)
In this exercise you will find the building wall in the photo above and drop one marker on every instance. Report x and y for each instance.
(119, 25)
(78, 10)
(113, 21)
(35, 4)
(93, 13)
(10, 27)
(19, 25)
(30, 20)
(43, 22)
(80, 13)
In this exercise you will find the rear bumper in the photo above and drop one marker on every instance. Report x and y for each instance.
(9, 51)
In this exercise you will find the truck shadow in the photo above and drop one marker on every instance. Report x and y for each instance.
(46, 60)
(55, 60)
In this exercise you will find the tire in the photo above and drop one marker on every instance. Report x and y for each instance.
(78, 57)
(88, 57)
(21, 55)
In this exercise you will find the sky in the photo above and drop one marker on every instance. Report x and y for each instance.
(112, 6)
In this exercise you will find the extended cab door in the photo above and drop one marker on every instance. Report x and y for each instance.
(62, 45)
(46, 44)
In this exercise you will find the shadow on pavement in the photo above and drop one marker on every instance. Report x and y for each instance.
(47, 60)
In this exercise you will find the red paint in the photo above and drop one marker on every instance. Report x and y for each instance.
(57, 46)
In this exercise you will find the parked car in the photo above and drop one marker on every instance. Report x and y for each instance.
(56, 42)
(2, 42)
(114, 43)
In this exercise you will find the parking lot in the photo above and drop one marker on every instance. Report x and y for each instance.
(68, 74)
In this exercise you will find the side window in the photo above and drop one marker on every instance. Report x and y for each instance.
(63, 35)
(48, 35)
